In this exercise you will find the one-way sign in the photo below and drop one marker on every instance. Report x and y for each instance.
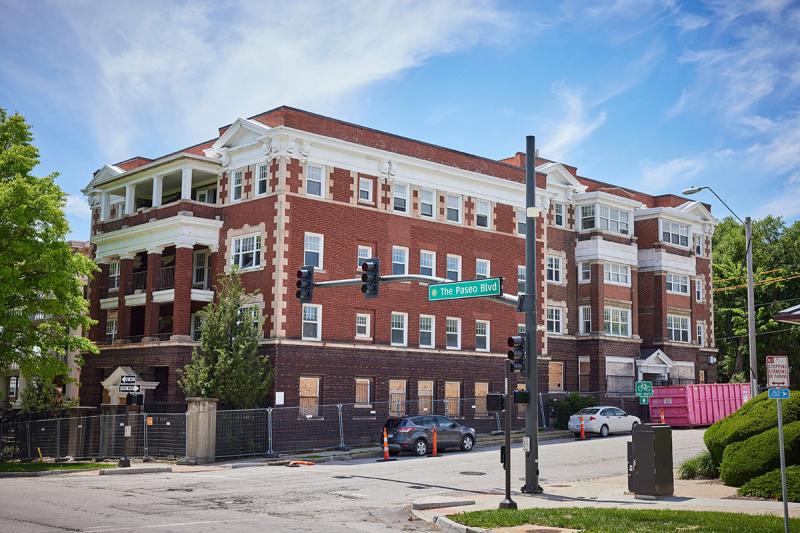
(129, 388)
(128, 379)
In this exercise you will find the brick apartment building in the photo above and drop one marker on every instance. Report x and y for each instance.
(624, 277)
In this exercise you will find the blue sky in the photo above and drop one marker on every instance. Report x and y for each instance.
(654, 95)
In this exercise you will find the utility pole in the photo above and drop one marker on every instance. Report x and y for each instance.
(531, 330)
(751, 311)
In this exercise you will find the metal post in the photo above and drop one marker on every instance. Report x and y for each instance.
(783, 468)
(508, 503)
(341, 446)
(146, 457)
(100, 443)
(270, 452)
(751, 311)
(58, 438)
(28, 435)
(531, 329)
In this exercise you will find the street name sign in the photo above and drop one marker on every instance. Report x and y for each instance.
(778, 394)
(777, 371)
(456, 290)
(125, 387)
(128, 379)
(644, 388)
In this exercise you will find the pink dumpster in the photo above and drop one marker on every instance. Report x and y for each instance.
(697, 405)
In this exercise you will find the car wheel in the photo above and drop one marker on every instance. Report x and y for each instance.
(604, 431)
(467, 443)
(420, 447)
(635, 423)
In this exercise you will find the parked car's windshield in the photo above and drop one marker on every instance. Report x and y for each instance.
(588, 411)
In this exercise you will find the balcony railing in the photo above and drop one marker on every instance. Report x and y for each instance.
(166, 278)
(138, 282)
(198, 209)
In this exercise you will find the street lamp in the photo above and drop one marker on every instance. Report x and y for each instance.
(751, 313)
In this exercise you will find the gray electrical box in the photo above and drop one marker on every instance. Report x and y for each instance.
(650, 461)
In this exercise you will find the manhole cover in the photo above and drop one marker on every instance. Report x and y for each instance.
(472, 473)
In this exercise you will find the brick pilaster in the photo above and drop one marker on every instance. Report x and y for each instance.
(97, 290)
(183, 293)
(151, 310)
(123, 311)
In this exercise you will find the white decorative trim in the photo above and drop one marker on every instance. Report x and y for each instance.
(201, 295)
(599, 249)
(135, 300)
(109, 303)
(659, 260)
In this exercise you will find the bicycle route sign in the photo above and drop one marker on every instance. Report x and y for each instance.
(474, 288)
(644, 388)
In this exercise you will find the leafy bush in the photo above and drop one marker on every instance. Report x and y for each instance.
(754, 417)
(743, 461)
(700, 466)
(769, 485)
(568, 406)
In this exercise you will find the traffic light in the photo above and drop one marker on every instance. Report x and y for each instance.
(516, 355)
(371, 277)
(496, 402)
(305, 283)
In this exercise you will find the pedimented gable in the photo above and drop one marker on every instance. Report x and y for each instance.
(697, 209)
(558, 175)
(241, 133)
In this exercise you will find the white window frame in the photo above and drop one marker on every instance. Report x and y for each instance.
(194, 326)
(457, 322)
(487, 335)
(555, 316)
(521, 279)
(369, 189)
(321, 180)
(483, 208)
(432, 331)
(699, 241)
(559, 206)
(321, 250)
(318, 322)
(113, 274)
(392, 328)
(432, 255)
(367, 319)
(458, 208)
(699, 291)
(675, 328)
(404, 250)
(588, 212)
(112, 325)
(584, 272)
(448, 269)
(555, 269)
(675, 231)
(361, 248)
(262, 169)
(700, 333)
(673, 280)
(520, 329)
(237, 257)
(522, 219)
(608, 217)
(237, 185)
(423, 201)
(478, 263)
(617, 274)
(614, 316)
(395, 196)
(629, 362)
(585, 319)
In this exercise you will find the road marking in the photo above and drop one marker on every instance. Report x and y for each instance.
(174, 524)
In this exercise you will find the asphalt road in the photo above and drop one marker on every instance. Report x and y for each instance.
(359, 495)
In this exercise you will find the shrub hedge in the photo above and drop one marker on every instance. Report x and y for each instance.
(754, 417)
(568, 406)
(745, 460)
(769, 485)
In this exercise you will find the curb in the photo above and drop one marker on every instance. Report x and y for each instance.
(136, 470)
(44, 473)
(448, 525)
(424, 506)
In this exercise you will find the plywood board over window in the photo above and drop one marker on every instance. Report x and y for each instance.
(452, 396)
(397, 397)
(425, 397)
(556, 377)
(309, 396)
(481, 390)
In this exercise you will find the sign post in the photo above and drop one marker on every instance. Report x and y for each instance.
(778, 383)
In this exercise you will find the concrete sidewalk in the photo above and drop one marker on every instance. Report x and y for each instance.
(690, 495)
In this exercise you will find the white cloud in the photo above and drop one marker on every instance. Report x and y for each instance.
(669, 175)
(786, 204)
(688, 22)
(572, 127)
(77, 206)
(679, 106)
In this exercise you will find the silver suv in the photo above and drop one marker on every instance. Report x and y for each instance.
(415, 434)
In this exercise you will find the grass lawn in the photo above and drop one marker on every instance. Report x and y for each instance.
(39, 467)
(619, 520)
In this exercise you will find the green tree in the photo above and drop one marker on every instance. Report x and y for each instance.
(41, 395)
(41, 279)
(227, 365)
(776, 258)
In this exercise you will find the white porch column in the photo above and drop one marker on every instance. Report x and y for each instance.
(158, 183)
(130, 198)
(186, 183)
(105, 206)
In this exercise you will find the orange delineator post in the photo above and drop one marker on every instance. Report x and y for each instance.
(583, 433)
(661, 414)
(385, 446)
(434, 442)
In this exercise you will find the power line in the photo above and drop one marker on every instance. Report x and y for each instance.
(757, 334)
(762, 282)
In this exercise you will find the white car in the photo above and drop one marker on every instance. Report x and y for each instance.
(603, 420)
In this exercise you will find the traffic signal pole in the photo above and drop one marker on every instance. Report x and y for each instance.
(529, 306)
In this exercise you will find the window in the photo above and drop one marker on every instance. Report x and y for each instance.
(482, 208)
(677, 283)
(427, 197)
(13, 386)
(425, 396)
(246, 252)
(674, 233)
(587, 217)
(482, 335)
(617, 273)
(313, 248)
(521, 279)
(207, 196)
(249, 313)
(426, 331)
(701, 376)
(238, 177)
(521, 222)
(362, 326)
(554, 320)
(401, 197)
(453, 330)
(452, 398)
(698, 289)
(111, 329)
(453, 267)
(585, 319)
(520, 329)
(113, 276)
(263, 179)
(584, 373)
(200, 267)
(363, 386)
(365, 190)
(699, 245)
(481, 390)
(397, 397)
(678, 328)
(617, 321)
(453, 205)
(613, 219)
(315, 177)
(312, 322)
(701, 334)
(399, 330)
(427, 263)
(558, 214)
(620, 375)
(553, 269)
(482, 268)
(399, 260)
(309, 397)
(555, 373)
(585, 273)
(195, 324)
(364, 253)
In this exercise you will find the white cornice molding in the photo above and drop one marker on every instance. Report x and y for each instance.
(607, 199)
(164, 165)
(659, 260)
(598, 249)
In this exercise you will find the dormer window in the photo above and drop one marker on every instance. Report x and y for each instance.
(675, 233)
(605, 218)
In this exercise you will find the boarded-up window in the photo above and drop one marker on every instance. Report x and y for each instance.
(363, 391)
(309, 397)
(584, 373)
(556, 373)
(682, 374)
(702, 378)
(397, 397)
(425, 397)
(620, 376)
(452, 398)
(520, 406)
(481, 390)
